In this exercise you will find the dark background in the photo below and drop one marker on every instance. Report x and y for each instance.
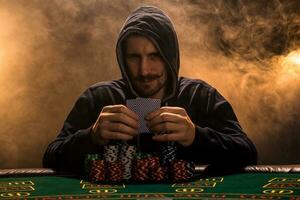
(52, 50)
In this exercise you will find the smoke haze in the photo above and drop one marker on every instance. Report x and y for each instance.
(52, 50)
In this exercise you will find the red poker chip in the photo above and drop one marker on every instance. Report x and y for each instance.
(97, 172)
(140, 171)
(179, 170)
(114, 171)
(153, 162)
(159, 174)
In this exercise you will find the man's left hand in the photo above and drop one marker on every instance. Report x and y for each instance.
(171, 124)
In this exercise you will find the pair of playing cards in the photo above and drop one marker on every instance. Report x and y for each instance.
(143, 106)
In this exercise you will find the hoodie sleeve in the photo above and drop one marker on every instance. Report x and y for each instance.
(221, 141)
(68, 150)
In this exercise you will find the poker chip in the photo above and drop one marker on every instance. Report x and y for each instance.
(126, 156)
(114, 171)
(153, 162)
(182, 170)
(97, 171)
(159, 174)
(140, 170)
(191, 169)
(168, 153)
(111, 153)
(87, 162)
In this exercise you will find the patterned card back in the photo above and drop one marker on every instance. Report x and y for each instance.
(143, 106)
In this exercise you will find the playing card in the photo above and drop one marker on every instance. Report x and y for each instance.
(143, 106)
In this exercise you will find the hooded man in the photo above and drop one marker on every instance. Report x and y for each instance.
(193, 114)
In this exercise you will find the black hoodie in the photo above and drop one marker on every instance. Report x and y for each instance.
(219, 138)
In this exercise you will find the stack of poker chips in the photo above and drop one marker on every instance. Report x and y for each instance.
(115, 166)
(147, 167)
(182, 170)
(127, 155)
(94, 168)
(168, 153)
(158, 172)
(124, 163)
(179, 170)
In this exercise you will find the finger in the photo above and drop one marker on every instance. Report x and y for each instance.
(168, 137)
(122, 128)
(169, 109)
(111, 135)
(119, 117)
(165, 117)
(121, 109)
(165, 127)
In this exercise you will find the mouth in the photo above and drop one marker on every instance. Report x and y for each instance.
(146, 80)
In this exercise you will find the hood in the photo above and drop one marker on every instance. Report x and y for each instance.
(156, 26)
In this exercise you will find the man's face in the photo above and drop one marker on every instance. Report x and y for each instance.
(145, 67)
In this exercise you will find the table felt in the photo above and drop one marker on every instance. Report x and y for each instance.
(235, 186)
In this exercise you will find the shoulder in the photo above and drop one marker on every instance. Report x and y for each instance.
(109, 91)
(114, 86)
(198, 90)
(188, 84)
(203, 95)
(111, 85)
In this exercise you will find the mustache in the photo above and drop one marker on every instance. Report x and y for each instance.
(148, 77)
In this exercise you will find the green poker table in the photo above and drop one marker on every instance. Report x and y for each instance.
(251, 182)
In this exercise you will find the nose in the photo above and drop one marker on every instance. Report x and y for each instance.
(145, 67)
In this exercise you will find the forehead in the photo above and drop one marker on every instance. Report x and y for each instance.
(139, 43)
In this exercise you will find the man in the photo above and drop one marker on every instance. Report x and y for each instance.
(193, 114)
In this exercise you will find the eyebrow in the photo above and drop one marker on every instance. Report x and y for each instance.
(155, 53)
(131, 54)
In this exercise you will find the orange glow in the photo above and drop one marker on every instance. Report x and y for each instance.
(7, 24)
(294, 58)
(1, 57)
(289, 71)
(291, 63)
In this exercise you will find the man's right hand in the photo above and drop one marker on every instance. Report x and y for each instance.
(115, 122)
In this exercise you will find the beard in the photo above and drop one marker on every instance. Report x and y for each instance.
(149, 86)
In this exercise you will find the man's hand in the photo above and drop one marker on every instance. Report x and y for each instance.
(171, 124)
(115, 122)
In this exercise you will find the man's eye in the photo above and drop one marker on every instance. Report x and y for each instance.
(155, 56)
(132, 57)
